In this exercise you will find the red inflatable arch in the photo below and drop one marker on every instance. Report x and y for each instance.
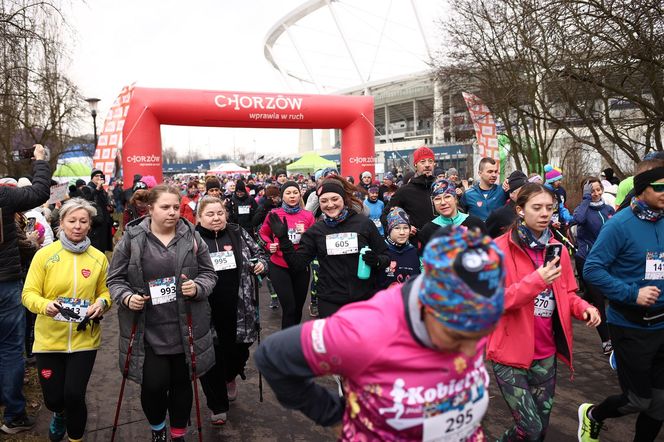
(131, 132)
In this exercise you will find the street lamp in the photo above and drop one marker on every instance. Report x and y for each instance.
(92, 102)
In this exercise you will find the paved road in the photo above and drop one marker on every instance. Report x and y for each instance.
(250, 420)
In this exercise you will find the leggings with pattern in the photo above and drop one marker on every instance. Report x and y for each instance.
(529, 396)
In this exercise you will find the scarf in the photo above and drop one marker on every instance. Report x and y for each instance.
(291, 209)
(528, 238)
(332, 222)
(644, 212)
(457, 220)
(597, 204)
(74, 247)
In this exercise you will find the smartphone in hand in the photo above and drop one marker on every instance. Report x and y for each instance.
(551, 251)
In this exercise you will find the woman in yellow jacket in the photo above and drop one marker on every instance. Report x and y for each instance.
(66, 288)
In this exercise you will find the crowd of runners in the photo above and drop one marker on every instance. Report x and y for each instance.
(417, 284)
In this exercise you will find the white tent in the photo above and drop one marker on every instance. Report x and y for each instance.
(228, 169)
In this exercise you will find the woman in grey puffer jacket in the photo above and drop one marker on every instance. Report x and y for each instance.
(160, 269)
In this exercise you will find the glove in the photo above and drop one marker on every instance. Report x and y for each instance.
(279, 227)
(371, 258)
(587, 189)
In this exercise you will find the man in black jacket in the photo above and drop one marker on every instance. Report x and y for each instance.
(415, 197)
(12, 328)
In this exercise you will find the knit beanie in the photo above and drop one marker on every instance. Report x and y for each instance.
(396, 216)
(286, 185)
(212, 184)
(552, 174)
(240, 186)
(463, 281)
(443, 186)
(422, 153)
(643, 180)
(366, 173)
(516, 180)
(149, 181)
(452, 171)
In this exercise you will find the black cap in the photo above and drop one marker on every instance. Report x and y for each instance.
(96, 172)
(516, 180)
(240, 186)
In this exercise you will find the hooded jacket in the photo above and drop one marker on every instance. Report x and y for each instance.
(589, 220)
(125, 277)
(513, 340)
(415, 199)
(244, 249)
(19, 199)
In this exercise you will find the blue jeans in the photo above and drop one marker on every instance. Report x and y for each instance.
(12, 337)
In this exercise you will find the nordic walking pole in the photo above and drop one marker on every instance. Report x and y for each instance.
(257, 280)
(192, 353)
(125, 371)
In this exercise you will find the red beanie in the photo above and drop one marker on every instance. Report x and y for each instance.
(422, 153)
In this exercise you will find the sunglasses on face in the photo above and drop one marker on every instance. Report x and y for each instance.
(657, 187)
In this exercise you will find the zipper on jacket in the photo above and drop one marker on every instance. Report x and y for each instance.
(71, 326)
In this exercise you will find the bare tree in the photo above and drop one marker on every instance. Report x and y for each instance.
(38, 103)
(588, 69)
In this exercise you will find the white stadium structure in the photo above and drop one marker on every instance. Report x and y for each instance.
(382, 48)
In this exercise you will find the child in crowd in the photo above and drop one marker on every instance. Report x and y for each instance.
(404, 260)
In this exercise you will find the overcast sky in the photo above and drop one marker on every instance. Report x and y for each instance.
(218, 45)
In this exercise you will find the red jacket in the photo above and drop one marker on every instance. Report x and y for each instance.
(188, 208)
(513, 341)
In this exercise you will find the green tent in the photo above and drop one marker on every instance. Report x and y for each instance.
(71, 171)
(309, 163)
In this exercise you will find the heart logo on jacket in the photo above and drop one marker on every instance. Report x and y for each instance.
(479, 204)
(86, 273)
(228, 248)
(46, 373)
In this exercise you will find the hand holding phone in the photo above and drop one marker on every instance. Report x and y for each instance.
(551, 252)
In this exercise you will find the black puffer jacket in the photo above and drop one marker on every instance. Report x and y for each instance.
(415, 199)
(12, 200)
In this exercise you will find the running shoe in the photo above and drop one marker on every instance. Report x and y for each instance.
(607, 347)
(218, 419)
(159, 435)
(232, 390)
(58, 427)
(588, 428)
(18, 424)
(313, 310)
(274, 302)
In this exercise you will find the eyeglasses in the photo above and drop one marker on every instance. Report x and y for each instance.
(657, 187)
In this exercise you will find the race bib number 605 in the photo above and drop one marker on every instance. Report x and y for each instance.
(341, 243)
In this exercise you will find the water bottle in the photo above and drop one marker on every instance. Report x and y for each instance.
(363, 269)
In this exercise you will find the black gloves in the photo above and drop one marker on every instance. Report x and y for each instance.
(279, 227)
(371, 258)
